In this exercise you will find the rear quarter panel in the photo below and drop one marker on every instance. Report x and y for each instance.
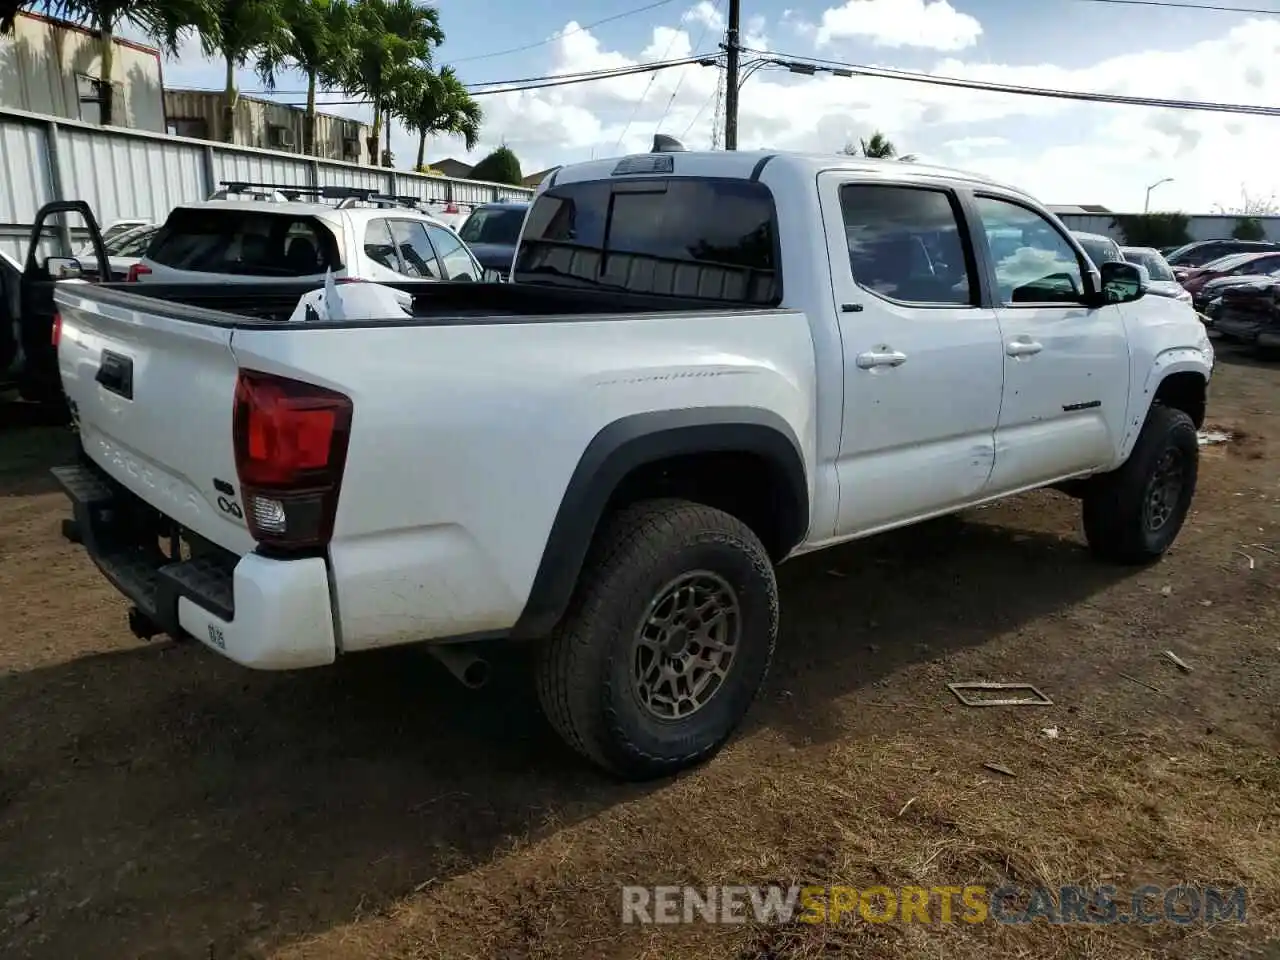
(464, 438)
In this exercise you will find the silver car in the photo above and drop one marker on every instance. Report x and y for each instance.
(1163, 283)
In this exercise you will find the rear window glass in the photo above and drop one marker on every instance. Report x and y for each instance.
(702, 239)
(499, 225)
(247, 243)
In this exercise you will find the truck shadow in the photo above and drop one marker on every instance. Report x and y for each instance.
(160, 798)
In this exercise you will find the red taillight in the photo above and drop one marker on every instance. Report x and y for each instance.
(55, 334)
(290, 443)
(135, 271)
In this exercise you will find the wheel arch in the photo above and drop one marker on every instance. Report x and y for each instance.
(629, 452)
(1177, 378)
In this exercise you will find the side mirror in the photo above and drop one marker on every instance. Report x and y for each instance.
(1123, 282)
(63, 268)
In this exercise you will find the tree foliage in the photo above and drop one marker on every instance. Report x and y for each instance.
(501, 166)
(877, 147)
(1249, 228)
(379, 50)
(1154, 229)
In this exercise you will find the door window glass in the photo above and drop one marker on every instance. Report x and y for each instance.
(905, 244)
(1033, 261)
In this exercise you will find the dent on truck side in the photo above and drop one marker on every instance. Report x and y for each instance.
(629, 444)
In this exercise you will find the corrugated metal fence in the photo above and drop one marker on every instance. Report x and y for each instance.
(1213, 226)
(135, 174)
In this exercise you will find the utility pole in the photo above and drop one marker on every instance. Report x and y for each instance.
(731, 77)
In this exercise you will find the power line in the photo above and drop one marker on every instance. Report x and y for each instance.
(1187, 6)
(580, 29)
(853, 69)
(706, 26)
(560, 80)
(647, 87)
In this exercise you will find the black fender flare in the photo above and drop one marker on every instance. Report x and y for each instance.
(621, 447)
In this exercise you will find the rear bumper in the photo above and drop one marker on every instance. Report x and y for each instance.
(260, 612)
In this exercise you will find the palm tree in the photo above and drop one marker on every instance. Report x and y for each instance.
(391, 43)
(237, 31)
(878, 147)
(439, 103)
(159, 19)
(319, 45)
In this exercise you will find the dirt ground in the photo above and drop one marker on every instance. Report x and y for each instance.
(157, 802)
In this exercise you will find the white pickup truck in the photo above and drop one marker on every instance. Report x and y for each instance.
(706, 363)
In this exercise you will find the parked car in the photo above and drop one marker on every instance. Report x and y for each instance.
(1234, 265)
(230, 240)
(1249, 313)
(124, 249)
(1101, 249)
(1162, 282)
(805, 353)
(1210, 295)
(491, 232)
(1202, 252)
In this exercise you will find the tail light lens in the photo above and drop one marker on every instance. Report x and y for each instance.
(55, 335)
(137, 270)
(290, 443)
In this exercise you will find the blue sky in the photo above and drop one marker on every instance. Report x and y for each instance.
(1063, 152)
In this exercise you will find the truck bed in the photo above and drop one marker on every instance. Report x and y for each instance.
(434, 303)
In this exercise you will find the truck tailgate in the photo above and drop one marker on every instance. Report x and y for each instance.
(152, 394)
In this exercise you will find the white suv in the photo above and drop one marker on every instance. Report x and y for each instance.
(273, 234)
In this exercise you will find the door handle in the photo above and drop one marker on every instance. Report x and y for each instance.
(1022, 348)
(880, 358)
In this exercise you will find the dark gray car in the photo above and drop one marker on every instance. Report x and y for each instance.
(491, 232)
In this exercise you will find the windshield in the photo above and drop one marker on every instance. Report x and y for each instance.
(1100, 249)
(499, 225)
(1229, 262)
(1156, 266)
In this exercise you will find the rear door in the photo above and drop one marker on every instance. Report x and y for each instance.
(922, 358)
(151, 391)
(1066, 364)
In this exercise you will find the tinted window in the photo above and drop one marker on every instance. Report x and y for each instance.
(1228, 262)
(494, 225)
(1034, 263)
(378, 245)
(904, 243)
(253, 243)
(416, 255)
(458, 264)
(1100, 249)
(709, 239)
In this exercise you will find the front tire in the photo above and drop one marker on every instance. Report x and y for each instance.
(667, 641)
(1134, 514)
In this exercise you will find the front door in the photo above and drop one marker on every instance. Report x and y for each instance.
(1066, 363)
(923, 361)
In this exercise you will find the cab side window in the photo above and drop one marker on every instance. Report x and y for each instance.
(905, 244)
(1033, 261)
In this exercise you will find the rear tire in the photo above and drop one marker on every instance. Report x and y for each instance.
(1134, 514)
(666, 643)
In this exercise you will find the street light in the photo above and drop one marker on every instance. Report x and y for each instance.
(1146, 206)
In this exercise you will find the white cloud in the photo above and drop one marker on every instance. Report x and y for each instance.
(900, 23)
(705, 13)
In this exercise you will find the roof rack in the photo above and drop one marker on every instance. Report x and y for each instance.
(345, 195)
